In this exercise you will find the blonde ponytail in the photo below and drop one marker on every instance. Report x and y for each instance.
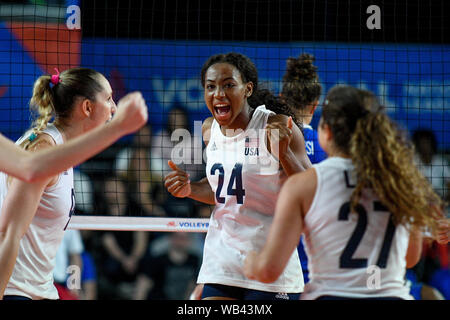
(54, 97)
(41, 103)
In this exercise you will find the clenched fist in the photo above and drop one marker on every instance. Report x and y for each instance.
(131, 114)
(279, 135)
(177, 182)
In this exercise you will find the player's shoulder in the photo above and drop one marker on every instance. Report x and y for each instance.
(304, 179)
(302, 184)
(41, 141)
(206, 129)
(304, 175)
(207, 123)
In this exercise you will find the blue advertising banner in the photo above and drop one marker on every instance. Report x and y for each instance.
(412, 81)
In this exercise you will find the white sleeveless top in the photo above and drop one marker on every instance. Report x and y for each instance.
(32, 276)
(246, 180)
(344, 249)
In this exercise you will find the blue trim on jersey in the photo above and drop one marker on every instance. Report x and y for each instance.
(313, 148)
(416, 287)
(441, 281)
(315, 154)
(302, 255)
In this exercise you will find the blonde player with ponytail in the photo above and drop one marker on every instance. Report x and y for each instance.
(361, 210)
(34, 215)
(131, 115)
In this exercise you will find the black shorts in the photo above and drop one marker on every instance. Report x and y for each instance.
(15, 298)
(223, 291)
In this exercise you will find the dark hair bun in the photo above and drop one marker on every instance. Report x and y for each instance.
(301, 85)
(301, 68)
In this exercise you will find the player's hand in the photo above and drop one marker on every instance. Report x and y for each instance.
(279, 135)
(132, 113)
(249, 265)
(443, 231)
(177, 182)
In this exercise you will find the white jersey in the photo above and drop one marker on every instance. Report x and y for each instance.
(32, 276)
(348, 253)
(246, 180)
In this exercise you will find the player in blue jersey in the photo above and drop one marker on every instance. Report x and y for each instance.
(301, 91)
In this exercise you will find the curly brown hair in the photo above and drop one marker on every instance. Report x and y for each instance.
(382, 155)
(301, 85)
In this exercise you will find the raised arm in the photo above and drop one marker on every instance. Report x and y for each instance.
(287, 144)
(30, 167)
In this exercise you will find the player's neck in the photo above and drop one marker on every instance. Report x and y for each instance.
(305, 120)
(304, 116)
(332, 151)
(239, 124)
(68, 131)
(339, 155)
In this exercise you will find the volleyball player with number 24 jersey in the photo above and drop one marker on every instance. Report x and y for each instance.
(243, 178)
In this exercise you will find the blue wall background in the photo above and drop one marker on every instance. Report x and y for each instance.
(413, 81)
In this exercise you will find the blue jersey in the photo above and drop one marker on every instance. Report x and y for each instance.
(313, 149)
(315, 154)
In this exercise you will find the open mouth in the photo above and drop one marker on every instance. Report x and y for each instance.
(222, 111)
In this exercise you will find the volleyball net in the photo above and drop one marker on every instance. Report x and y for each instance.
(399, 50)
